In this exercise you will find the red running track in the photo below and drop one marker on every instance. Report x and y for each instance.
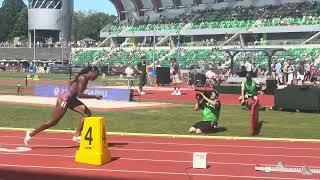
(189, 96)
(155, 158)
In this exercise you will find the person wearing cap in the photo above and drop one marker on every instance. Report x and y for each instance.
(141, 67)
(210, 107)
(248, 89)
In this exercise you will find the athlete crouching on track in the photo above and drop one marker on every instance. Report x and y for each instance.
(210, 113)
(70, 100)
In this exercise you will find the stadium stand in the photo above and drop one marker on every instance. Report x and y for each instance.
(186, 56)
(197, 35)
(128, 57)
(305, 13)
(238, 17)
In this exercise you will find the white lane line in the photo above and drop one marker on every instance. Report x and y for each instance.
(186, 152)
(217, 145)
(131, 159)
(172, 136)
(146, 172)
(38, 145)
(39, 155)
(150, 160)
(216, 153)
(183, 144)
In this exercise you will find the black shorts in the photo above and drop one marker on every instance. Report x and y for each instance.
(142, 79)
(71, 103)
(205, 125)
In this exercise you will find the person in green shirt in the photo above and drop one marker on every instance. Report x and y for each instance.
(210, 113)
(248, 89)
(142, 70)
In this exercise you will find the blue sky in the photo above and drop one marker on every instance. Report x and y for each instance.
(86, 5)
(98, 5)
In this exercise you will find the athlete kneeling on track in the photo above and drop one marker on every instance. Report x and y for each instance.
(69, 100)
(210, 113)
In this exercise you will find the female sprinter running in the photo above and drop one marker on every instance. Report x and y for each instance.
(70, 100)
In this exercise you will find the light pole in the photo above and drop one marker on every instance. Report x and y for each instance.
(178, 44)
(61, 43)
(34, 45)
(154, 47)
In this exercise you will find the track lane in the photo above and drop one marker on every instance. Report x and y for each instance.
(140, 155)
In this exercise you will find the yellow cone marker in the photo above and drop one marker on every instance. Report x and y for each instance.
(93, 146)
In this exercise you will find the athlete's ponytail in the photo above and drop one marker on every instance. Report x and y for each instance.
(86, 70)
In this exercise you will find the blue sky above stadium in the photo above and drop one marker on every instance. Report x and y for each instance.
(86, 5)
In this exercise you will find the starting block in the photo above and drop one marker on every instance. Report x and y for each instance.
(280, 167)
(93, 146)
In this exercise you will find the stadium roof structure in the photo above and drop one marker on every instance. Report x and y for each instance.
(269, 52)
(140, 6)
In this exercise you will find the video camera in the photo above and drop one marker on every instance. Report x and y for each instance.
(205, 91)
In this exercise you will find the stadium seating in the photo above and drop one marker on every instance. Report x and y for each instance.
(297, 54)
(194, 52)
(187, 57)
(151, 27)
(238, 17)
(126, 57)
(82, 58)
(305, 13)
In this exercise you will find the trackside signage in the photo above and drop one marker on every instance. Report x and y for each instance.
(107, 93)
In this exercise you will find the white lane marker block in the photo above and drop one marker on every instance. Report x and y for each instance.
(200, 160)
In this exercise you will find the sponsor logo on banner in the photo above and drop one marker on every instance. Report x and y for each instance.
(107, 93)
(56, 91)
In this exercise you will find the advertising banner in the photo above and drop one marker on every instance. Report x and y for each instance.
(107, 93)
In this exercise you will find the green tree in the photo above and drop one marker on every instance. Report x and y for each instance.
(20, 28)
(2, 26)
(12, 7)
(89, 24)
(9, 13)
(77, 20)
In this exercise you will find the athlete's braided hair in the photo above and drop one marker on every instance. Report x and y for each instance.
(85, 70)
